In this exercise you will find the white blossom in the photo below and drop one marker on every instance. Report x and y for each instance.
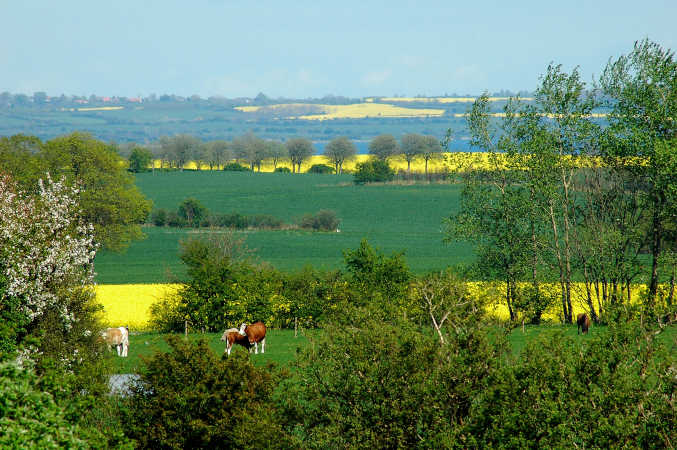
(46, 249)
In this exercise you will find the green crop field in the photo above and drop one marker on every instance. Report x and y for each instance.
(392, 217)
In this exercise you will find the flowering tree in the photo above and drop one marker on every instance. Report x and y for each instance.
(46, 259)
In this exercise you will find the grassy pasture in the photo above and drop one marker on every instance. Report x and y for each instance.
(282, 346)
(391, 217)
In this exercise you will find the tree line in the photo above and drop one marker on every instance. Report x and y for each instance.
(174, 152)
(571, 198)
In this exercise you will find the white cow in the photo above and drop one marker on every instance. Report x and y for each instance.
(118, 337)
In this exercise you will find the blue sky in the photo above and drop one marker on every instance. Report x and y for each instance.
(312, 48)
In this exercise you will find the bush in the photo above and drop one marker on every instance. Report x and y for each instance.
(190, 398)
(265, 221)
(324, 220)
(192, 212)
(235, 167)
(377, 384)
(282, 170)
(321, 168)
(174, 220)
(373, 171)
(614, 390)
(159, 217)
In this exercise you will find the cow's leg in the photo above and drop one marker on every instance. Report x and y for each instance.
(228, 347)
(256, 348)
(263, 345)
(125, 349)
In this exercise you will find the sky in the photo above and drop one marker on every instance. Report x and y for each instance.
(302, 49)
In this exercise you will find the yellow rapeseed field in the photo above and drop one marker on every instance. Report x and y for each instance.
(440, 99)
(354, 111)
(129, 304)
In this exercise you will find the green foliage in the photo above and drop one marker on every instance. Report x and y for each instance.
(190, 398)
(613, 391)
(159, 217)
(282, 170)
(140, 159)
(321, 168)
(324, 220)
(29, 417)
(375, 384)
(376, 275)
(192, 212)
(373, 172)
(235, 167)
(108, 197)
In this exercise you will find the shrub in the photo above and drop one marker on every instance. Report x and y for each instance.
(174, 220)
(376, 384)
(159, 217)
(614, 390)
(321, 168)
(190, 398)
(265, 221)
(324, 220)
(192, 212)
(282, 170)
(373, 171)
(235, 167)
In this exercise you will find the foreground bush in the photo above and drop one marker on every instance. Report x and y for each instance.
(617, 390)
(383, 385)
(191, 398)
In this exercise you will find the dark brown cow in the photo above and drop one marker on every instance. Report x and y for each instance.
(256, 333)
(583, 322)
(232, 336)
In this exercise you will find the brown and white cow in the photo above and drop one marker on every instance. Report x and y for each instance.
(256, 333)
(583, 323)
(232, 336)
(118, 337)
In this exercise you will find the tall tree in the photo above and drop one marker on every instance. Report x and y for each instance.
(431, 149)
(277, 151)
(299, 149)
(140, 159)
(383, 146)
(338, 151)
(642, 92)
(411, 146)
(108, 196)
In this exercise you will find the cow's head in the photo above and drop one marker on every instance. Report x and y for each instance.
(242, 328)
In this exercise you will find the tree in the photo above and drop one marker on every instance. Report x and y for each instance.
(373, 172)
(642, 92)
(277, 151)
(218, 152)
(447, 302)
(190, 398)
(431, 150)
(338, 151)
(383, 146)
(139, 159)
(411, 146)
(492, 212)
(179, 149)
(299, 149)
(193, 212)
(107, 194)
